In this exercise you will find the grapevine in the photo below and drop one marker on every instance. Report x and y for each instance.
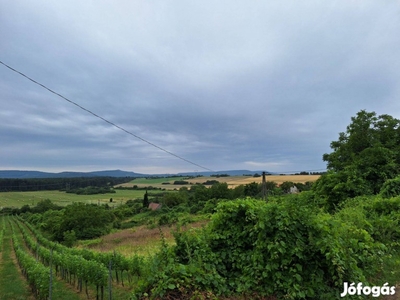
(68, 265)
(120, 263)
(36, 274)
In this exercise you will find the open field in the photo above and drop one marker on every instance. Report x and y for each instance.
(232, 181)
(18, 199)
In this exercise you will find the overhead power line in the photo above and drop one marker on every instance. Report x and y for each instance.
(105, 120)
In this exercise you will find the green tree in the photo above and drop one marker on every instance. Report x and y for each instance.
(363, 158)
(174, 199)
(69, 238)
(271, 185)
(146, 200)
(86, 220)
(25, 208)
(285, 186)
(200, 193)
(336, 187)
(252, 189)
(51, 221)
(45, 205)
(238, 192)
(220, 191)
(391, 188)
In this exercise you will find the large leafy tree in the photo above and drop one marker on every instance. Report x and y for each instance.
(86, 220)
(363, 158)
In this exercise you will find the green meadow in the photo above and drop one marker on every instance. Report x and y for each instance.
(19, 199)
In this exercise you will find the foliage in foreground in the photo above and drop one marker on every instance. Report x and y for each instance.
(287, 248)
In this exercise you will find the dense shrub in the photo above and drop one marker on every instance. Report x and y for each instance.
(210, 182)
(286, 248)
(87, 221)
(273, 248)
(168, 219)
(174, 199)
(391, 188)
(197, 207)
(380, 217)
(210, 206)
(163, 277)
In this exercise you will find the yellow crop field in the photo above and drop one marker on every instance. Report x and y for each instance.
(232, 181)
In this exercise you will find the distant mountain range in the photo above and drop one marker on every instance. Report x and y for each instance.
(111, 173)
(38, 174)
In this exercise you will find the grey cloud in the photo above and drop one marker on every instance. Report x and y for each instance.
(226, 84)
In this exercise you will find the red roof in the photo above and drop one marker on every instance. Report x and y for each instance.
(154, 206)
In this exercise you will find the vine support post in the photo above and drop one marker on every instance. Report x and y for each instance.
(51, 275)
(109, 280)
(264, 187)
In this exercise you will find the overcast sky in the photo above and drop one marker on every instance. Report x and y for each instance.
(256, 85)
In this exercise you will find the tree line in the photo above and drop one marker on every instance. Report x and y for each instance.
(63, 184)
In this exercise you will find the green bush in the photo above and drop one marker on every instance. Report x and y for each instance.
(210, 206)
(69, 238)
(391, 188)
(384, 216)
(179, 182)
(380, 217)
(287, 248)
(164, 277)
(174, 199)
(87, 221)
(197, 207)
(168, 219)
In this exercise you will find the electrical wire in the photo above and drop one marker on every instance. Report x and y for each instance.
(105, 120)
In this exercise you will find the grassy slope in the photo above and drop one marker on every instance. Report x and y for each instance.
(139, 240)
(144, 238)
